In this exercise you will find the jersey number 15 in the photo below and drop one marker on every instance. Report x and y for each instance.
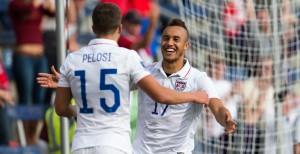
(103, 86)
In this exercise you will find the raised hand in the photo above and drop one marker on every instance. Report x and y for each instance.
(47, 80)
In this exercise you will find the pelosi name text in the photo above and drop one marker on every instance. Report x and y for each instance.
(96, 57)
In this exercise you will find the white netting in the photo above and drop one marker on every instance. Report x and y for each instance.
(251, 49)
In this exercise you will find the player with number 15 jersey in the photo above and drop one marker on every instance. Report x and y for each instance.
(99, 74)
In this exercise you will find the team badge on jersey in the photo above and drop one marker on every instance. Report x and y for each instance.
(180, 85)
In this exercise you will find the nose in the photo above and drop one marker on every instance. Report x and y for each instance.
(170, 42)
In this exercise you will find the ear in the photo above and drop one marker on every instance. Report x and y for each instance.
(186, 46)
(120, 29)
(94, 30)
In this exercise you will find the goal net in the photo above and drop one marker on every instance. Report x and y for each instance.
(251, 50)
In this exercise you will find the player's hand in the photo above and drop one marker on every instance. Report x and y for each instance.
(47, 80)
(201, 97)
(229, 124)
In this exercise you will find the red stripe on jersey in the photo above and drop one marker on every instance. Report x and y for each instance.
(188, 71)
(154, 65)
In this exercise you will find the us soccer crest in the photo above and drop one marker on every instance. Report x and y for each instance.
(180, 85)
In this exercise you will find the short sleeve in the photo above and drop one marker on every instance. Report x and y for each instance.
(63, 78)
(206, 84)
(136, 67)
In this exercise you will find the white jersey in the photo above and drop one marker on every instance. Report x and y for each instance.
(165, 128)
(100, 76)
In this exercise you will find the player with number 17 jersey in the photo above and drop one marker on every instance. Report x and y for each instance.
(168, 129)
(100, 76)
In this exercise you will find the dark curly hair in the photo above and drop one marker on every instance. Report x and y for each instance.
(180, 23)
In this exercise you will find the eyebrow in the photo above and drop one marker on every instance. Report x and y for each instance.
(176, 36)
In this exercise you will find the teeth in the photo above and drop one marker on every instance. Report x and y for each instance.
(170, 50)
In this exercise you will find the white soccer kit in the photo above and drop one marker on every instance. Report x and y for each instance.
(100, 76)
(165, 128)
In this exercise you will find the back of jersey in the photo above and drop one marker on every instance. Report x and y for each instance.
(99, 76)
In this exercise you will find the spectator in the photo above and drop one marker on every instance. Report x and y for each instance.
(217, 69)
(84, 10)
(5, 97)
(257, 39)
(289, 42)
(291, 108)
(234, 17)
(143, 7)
(49, 33)
(131, 37)
(258, 108)
(29, 59)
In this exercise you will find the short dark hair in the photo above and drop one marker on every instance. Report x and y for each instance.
(106, 18)
(180, 23)
(133, 16)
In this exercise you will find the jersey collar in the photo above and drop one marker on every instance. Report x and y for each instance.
(181, 73)
(103, 41)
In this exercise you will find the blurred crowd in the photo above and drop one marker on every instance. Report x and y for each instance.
(28, 46)
(256, 69)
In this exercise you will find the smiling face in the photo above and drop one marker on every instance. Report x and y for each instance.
(174, 43)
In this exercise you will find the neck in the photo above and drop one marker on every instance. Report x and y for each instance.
(173, 67)
(114, 37)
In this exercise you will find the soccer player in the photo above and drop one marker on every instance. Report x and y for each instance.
(164, 128)
(99, 77)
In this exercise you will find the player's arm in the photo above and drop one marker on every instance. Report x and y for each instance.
(222, 115)
(167, 96)
(62, 104)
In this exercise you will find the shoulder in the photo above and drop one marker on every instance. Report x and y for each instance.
(197, 73)
(130, 52)
(151, 67)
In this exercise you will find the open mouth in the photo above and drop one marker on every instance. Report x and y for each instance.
(170, 50)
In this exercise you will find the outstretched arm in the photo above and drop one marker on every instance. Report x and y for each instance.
(222, 115)
(47, 80)
(167, 96)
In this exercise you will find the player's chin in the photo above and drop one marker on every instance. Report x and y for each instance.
(169, 59)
